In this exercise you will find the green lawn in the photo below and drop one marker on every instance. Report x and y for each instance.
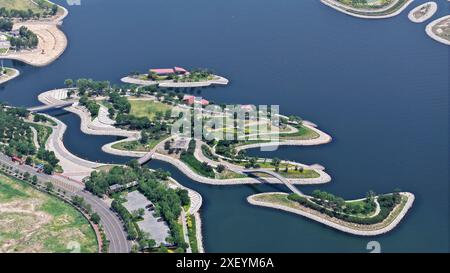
(191, 228)
(146, 108)
(196, 165)
(302, 134)
(137, 146)
(227, 174)
(23, 5)
(32, 221)
(44, 133)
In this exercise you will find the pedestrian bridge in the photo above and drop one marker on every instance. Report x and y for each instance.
(281, 178)
(147, 157)
(42, 108)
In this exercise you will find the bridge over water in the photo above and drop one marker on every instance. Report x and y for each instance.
(278, 176)
(43, 108)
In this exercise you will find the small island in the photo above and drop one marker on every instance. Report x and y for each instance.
(369, 9)
(176, 77)
(29, 31)
(7, 74)
(422, 12)
(439, 30)
(369, 216)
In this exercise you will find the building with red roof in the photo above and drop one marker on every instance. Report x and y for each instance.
(189, 100)
(168, 71)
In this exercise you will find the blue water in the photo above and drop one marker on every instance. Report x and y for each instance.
(379, 87)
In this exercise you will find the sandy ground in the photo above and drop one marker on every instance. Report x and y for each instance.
(6, 78)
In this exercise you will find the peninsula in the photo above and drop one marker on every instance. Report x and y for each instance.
(41, 19)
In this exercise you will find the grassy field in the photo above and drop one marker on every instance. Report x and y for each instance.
(146, 108)
(196, 165)
(137, 146)
(32, 221)
(302, 134)
(23, 5)
(190, 219)
(227, 174)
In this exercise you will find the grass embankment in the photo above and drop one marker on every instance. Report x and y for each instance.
(192, 233)
(41, 7)
(22, 5)
(44, 133)
(137, 146)
(303, 133)
(149, 109)
(32, 221)
(291, 172)
(197, 166)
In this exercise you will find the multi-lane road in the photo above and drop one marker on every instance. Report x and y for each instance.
(110, 221)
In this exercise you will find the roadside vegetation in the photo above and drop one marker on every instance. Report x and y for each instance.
(16, 139)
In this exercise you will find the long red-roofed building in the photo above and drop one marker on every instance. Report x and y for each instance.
(167, 71)
(189, 100)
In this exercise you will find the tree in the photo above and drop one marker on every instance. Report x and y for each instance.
(29, 160)
(276, 162)
(68, 83)
(49, 186)
(48, 169)
(252, 161)
(95, 218)
(34, 180)
(26, 175)
(220, 168)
